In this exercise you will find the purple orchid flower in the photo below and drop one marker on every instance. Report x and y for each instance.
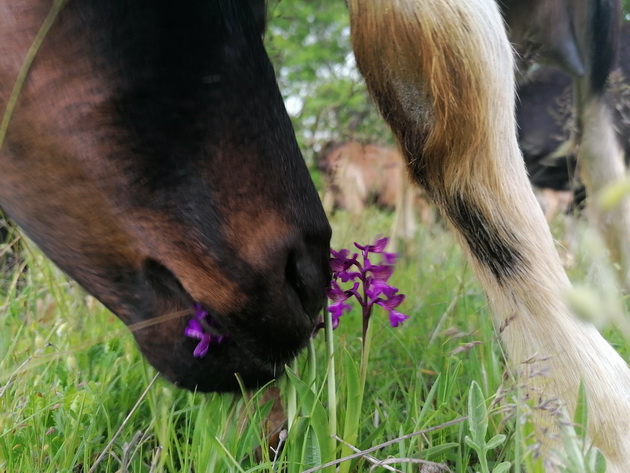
(395, 318)
(372, 277)
(339, 296)
(378, 247)
(195, 329)
(340, 263)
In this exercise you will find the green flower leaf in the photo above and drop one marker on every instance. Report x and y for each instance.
(477, 414)
(495, 441)
(501, 467)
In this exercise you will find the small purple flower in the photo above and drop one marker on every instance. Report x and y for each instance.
(380, 272)
(389, 258)
(346, 276)
(336, 311)
(391, 302)
(378, 247)
(339, 296)
(373, 279)
(396, 318)
(199, 312)
(377, 288)
(341, 262)
(195, 329)
(336, 294)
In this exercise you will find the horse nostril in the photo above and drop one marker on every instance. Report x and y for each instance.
(307, 278)
(293, 278)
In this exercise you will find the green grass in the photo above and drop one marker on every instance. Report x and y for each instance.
(70, 374)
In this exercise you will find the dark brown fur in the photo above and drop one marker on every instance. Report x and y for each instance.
(136, 160)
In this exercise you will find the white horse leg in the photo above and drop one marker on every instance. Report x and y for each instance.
(439, 71)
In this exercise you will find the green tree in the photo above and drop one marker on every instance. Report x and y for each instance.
(309, 45)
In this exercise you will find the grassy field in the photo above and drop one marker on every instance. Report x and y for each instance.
(70, 375)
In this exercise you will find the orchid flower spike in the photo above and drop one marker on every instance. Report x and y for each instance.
(371, 278)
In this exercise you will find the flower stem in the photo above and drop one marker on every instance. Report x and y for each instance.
(312, 366)
(291, 399)
(330, 379)
(365, 354)
(355, 403)
(366, 312)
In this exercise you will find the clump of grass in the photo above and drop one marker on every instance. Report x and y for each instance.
(70, 374)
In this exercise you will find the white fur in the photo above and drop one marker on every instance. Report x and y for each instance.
(408, 50)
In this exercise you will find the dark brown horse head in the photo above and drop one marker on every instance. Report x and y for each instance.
(150, 156)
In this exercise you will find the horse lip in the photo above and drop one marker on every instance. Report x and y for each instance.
(209, 328)
(245, 349)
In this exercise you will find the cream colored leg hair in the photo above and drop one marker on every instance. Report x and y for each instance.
(601, 160)
(441, 73)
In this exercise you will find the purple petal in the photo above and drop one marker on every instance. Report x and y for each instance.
(389, 258)
(393, 302)
(335, 293)
(199, 312)
(377, 287)
(194, 329)
(336, 311)
(396, 318)
(354, 291)
(202, 347)
(380, 272)
(346, 276)
(362, 248)
(377, 247)
(380, 245)
(341, 254)
(338, 308)
(336, 265)
(340, 260)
